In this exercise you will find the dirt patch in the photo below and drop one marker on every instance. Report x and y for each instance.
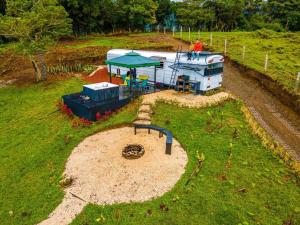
(101, 75)
(103, 176)
(13, 66)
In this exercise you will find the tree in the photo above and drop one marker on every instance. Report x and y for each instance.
(2, 7)
(35, 24)
(138, 13)
(228, 13)
(85, 15)
(288, 12)
(106, 15)
(163, 11)
(195, 13)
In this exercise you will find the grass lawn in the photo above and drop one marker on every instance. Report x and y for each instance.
(35, 146)
(133, 41)
(283, 50)
(5, 47)
(252, 188)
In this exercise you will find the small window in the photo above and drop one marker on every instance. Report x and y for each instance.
(208, 71)
(160, 59)
(215, 65)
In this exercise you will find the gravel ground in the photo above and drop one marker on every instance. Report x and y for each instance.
(102, 176)
(184, 99)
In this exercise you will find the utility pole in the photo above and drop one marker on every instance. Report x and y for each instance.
(297, 82)
(180, 31)
(266, 62)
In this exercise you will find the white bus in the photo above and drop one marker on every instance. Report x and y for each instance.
(205, 70)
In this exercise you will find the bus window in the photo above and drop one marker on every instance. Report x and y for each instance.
(208, 71)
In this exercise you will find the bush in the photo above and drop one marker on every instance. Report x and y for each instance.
(265, 34)
(88, 68)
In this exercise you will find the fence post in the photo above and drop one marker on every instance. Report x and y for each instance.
(244, 51)
(189, 34)
(225, 47)
(211, 39)
(198, 36)
(164, 30)
(157, 28)
(180, 31)
(297, 82)
(173, 31)
(266, 62)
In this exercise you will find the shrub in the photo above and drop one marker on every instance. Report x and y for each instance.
(85, 122)
(98, 116)
(64, 109)
(88, 68)
(76, 122)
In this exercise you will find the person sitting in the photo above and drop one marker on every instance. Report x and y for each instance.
(190, 52)
(197, 49)
(128, 74)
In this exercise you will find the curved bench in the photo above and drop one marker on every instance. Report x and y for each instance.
(161, 132)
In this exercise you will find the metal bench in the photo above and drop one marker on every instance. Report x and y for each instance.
(161, 132)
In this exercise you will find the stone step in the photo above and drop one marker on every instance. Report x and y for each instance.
(143, 116)
(145, 111)
(145, 108)
(145, 122)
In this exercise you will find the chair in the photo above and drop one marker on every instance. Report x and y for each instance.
(127, 81)
(123, 77)
(144, 84)
(143, 77)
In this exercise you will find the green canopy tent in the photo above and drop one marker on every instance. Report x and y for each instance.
(133, 60)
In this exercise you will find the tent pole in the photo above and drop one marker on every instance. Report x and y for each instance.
(109, 73)
(154, 78)
(130, 82)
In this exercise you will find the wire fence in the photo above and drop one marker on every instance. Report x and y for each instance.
(264, 60)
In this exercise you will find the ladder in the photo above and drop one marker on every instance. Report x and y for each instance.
(175, 67)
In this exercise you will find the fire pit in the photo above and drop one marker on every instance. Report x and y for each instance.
(133, 151)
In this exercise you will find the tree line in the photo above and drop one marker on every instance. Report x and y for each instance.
(94, 16)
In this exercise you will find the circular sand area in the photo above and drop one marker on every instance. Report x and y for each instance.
(103, 176)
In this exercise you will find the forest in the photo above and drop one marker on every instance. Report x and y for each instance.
(104, 16)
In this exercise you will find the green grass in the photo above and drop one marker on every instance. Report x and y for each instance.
(272, 191)
(35, 146)
(133, 41)
(283, 50)
(5, 47)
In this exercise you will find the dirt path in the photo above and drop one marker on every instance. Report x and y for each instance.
(282, 123)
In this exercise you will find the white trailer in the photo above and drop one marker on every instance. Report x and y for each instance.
(207, 70)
